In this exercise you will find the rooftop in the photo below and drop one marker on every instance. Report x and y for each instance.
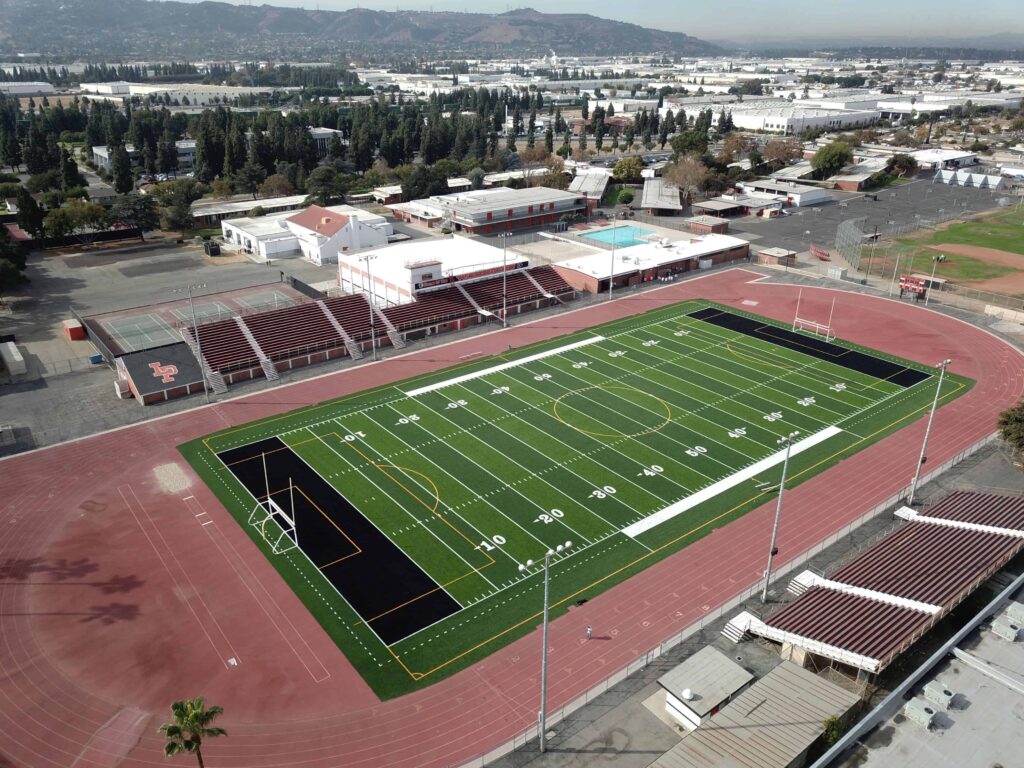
(769, 725)
(658, 193)
(709, 675)
(651, 255)
(320, 220)
(592, 185)
(218, 207)
(483, 200)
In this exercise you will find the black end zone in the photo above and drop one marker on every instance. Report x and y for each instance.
(383, 585)
(808, 345)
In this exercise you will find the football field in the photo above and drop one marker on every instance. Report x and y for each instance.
(413, 519)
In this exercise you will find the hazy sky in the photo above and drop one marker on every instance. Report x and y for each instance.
(724, 20)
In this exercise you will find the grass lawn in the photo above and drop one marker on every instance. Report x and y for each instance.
(631, 440)
(1003, 231)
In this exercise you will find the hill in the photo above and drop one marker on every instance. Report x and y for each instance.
(131, 28)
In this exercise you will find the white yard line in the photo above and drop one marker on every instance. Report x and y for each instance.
(727, 483)
(503, 366)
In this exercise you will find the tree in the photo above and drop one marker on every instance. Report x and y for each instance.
(549, 139)
(135, 211)
(902, 164)
(276, 185)
(689, 142)
(121, 170)
(86, 218)
(1011, 429)
(30, 215)
(250, 176)
(190, 725)
(688, 173)
(628, 170)
(735, 146)
(58, 223)
(324, 185)
(780, 152)
(832, 158)
(222, 189)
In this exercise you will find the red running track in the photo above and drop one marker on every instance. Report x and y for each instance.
(125, 584)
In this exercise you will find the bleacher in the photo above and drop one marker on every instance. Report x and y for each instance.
(303, 328)
(441, 306)
(225, 347)
(283, 333)
(352, 313)
(487, 293)
(550, 280)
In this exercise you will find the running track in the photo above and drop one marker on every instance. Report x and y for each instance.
(115, 598)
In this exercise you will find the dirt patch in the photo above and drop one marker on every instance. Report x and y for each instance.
(990, 255)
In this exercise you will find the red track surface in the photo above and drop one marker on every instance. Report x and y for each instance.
(90, 662)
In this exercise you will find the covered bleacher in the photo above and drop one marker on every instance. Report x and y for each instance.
(239, 348)
(873, 608)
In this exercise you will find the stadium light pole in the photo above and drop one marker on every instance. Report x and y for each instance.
(504, 279)
(373, 293)
(787, 441)
(927, 431)
(931, 280)
(611, 274)
(195, 326)
(542, 716)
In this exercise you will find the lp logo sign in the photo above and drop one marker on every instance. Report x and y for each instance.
(165, 373)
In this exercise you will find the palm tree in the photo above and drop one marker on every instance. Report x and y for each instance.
(191, 725)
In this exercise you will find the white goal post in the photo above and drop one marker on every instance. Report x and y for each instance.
(275, 525)
(824, 330)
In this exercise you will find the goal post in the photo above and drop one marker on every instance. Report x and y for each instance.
(274, 525)
(820, 330)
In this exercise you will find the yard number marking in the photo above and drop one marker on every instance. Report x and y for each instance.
(652, 471)
(773, 416)
(805, 401)
(353, 437)
(542, 377)
(838, 387)
(412, 417)
(697, 450)
(456, 403)
(601, 493)
(650, 343)
(547, 518)
(617, 353)
(738, 432)
(499, 390)
(583, 364)
(490, 546)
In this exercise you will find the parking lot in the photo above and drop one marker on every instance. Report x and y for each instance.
(917, 202)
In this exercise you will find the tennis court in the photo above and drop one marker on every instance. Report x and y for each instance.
(139, 332)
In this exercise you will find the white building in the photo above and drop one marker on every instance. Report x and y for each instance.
(798, 195)
(397, 274)
(323, 234)
(26, 88)
(196, 94)
(186, 155)
(317, 233)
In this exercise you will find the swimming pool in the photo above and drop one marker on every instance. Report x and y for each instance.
(623, 237)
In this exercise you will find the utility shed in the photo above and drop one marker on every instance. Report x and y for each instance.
(772, 724)
(697, 688)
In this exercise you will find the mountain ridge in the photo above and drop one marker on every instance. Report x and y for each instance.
(220, 30)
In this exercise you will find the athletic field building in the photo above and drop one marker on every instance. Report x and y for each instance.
(320, 234)
(398, 274)
(650, 261)
(158, 374)
(485, 211)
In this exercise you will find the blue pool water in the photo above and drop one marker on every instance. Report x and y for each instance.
(623, 237)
